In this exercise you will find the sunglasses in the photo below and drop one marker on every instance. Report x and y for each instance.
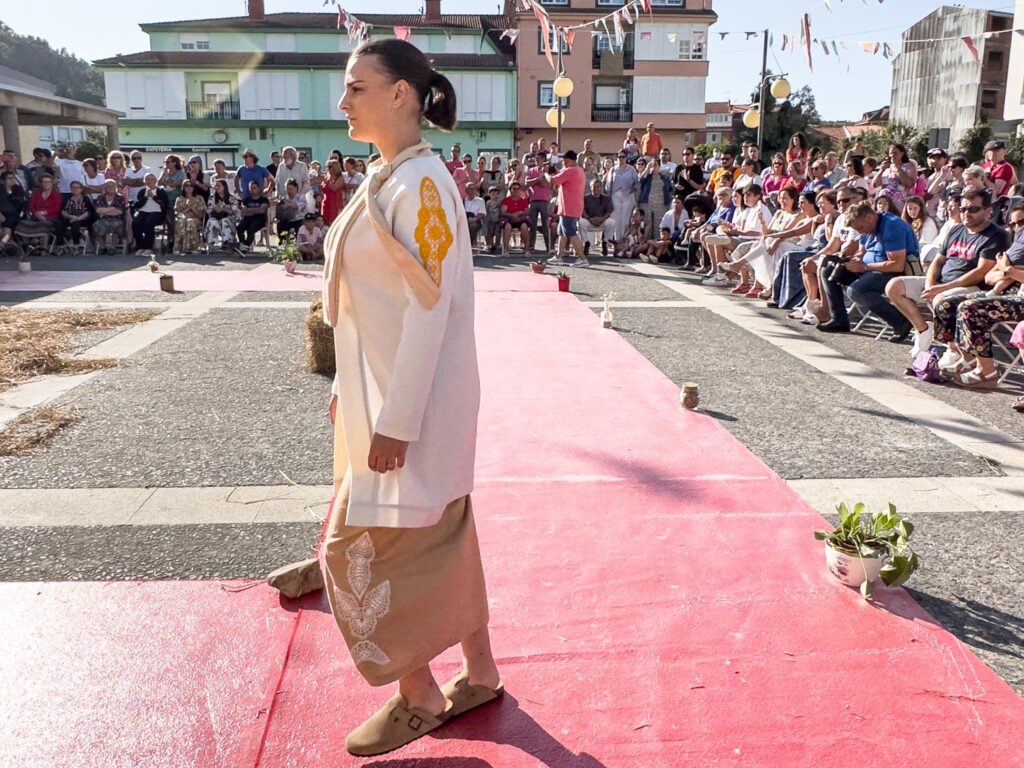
(1017, 223)
(844, 200)
(973, 209)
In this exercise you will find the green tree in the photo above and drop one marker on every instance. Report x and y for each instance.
(972, 143)
(914, 139)
(72, 77)
(782, 119)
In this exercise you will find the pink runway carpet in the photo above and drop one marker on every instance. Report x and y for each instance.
(657, 600)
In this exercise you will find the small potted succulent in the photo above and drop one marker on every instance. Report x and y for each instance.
(538, 267)
(286, 252)
(154, 266)
(864, 547)
(563, 280)
(24, 263)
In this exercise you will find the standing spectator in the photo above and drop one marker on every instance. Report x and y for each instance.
(571, 183)
(885, 244)
(68, 169)
(797, 148)
(754, 153)
(656, 194)
(195, 173)
(134, 176)
(12, 205)
(93, 182)
(111, 211)
(460, 173)
(9, 164)
(516, 173)
(292, 169)
(41, 163)
(631, 146)
(220, 173)
(275, 162)
(1000, 172)
(940, 178)
(116, 171)
(478, 175)
(494, 177)
(688, 177)
(726, 172)
(588, 153)
(539, 186)
(171, 181)
(665, 159)
(251, 171)
(713, 163)
(150, 208)
(455, 158)
(253, 210)
(222, 215)
(650, 143)
(476, 212)
(622, 183)
(554, 157)
(352, 178)
(514, 214)
(896, 177)
(959, 270)
(334, 192)
(597, 217)
(77, 212)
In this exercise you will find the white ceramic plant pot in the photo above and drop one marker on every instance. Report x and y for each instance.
(24, 266)
(289, 267)
(851, 569)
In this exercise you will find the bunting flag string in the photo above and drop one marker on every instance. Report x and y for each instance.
(403, 33)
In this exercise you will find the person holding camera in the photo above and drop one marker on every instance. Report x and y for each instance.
(885, 243)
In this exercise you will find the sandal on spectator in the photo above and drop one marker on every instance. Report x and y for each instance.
(1018, 405)
(741, 288)
(753, 293)
(797, 314)
(974, 380)
(392, 726)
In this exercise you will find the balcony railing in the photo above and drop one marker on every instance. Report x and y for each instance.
(601, 48)
(212, 110)
(612, 113)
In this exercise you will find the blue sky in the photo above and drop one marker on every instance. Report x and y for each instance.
(94, 31)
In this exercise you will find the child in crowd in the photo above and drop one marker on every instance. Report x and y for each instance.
(492, 220)
(310, 238)
(635, 235)
(653, 251)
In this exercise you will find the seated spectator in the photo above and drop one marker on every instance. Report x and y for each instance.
(43, 214)
(195, 173)
(310, 238)
(150, 209)
(916, 215)
(796, 180)
(476, 211)
(733, 239)
(12, 205)
(843, 243)
(1001, 276)
(834, 171)
(658, 250)
(674, 220)
(788, 289)
(111, 210)
(854, 175)
(959, 270)
(819, 178)
(885, 243)
(77, 212)
(253, 210)
(950, 210)
(776, 178)
(291, 208)
(634, 241)
(597, 218)
(514, 214)
(791, 228)
(222, 216)
(724, 174)
(748, 175)
(1001, 174)
(9, 164)
(189, 212)
(885, 204)
(723, 211)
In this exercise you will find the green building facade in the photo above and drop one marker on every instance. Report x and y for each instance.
(215, 87)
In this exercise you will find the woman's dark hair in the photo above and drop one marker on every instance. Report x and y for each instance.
(870, 162)
(828, 194)
(176, 160)
(858, 166)
(217, 186)
(791, 193)
(336, 154)
(889, 202)
(903, 151)
(801, 139)
(812, 198)
(404, 61)
(755, 189)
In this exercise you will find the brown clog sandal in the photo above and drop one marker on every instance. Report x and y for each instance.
(392, 726)
(465, 697)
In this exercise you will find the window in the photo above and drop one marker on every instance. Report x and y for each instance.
(989, 98)
(995, 60)
(546, 95)
(713, 137)
(195, 41)
(554, 2)
(280, 42)
(551, 40)
(257, 134)
(216, 93)
(693, 47)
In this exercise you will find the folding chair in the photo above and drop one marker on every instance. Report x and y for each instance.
(1014, 355)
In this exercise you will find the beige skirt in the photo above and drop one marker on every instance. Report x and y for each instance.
(401, 596)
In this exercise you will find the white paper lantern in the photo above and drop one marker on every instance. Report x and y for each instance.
(551, 118)
(752, 118)
(563, 86)
(781, 88)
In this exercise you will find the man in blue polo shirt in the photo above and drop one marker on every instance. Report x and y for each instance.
(886, 242)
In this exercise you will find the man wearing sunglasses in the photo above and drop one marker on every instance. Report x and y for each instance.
(688, 176)
(959, 269)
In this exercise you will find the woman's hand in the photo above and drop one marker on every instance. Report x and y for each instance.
(386, 453)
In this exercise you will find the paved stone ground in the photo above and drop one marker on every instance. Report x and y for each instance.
(223, 402)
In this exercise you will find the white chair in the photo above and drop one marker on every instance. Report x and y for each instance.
(1014, 355)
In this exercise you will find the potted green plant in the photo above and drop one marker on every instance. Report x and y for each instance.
(864, 547)
(538, 267)
(285, 252)
(563, 280)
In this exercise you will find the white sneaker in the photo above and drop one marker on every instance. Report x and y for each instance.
(554, 261)
(580, 262)
(810, 319)
(812, 307)
(716, 281)
(949, 360)
(922, 341)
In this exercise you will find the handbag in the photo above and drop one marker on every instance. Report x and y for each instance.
(926, 367)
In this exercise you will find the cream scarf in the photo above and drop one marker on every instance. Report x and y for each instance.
(335, 295)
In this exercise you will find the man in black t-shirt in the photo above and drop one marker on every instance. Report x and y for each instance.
(254, 215)
(688, 177)
(959, 269)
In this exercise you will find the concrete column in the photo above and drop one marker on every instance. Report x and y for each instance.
(112, 142)
(9, 121)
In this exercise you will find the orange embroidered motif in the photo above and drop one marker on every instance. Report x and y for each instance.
(433, 235)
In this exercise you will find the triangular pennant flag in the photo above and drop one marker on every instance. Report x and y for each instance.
(871, 48)
(835, 48)
(607, 32)
(403, 33)
(545, 33)
(887, 51)
(341, 18)
(722, 35)
(807, 35)
(620, 33)
(749, 34)
(511, 34)
(785, 41)
(646, 5)
(828, 5)
(625, 15)
(824, 47)
(969, 42)
(569, 35)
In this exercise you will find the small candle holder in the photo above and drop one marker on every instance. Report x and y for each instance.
(607, 318)
(689, 398)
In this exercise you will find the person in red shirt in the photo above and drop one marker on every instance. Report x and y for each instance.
(571, 183)
(514, 213)
(999, 171)
(650, 142)
(43, 214)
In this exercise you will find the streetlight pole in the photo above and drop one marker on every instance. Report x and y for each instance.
(760, 102)
(558, 99)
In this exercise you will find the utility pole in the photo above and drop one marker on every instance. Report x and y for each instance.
(760, 103)
(558, 99)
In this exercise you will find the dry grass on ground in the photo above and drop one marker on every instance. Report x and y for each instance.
(37, 342)
(33, 429)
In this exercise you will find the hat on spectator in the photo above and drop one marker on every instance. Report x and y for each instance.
(937, 152)
(312, 216)
(570, 155)
(994, 144)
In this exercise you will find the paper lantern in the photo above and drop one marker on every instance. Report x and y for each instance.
(551, 118)
(752, 118)
(562, 86)
(781, 88)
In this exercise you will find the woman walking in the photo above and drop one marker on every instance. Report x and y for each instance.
(400, 558)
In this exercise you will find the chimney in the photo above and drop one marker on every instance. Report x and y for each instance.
(256, 10)
(432, 10)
